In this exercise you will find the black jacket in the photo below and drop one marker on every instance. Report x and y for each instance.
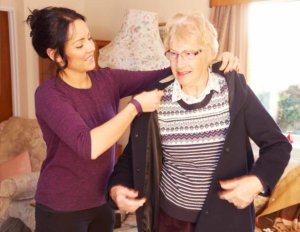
(140, 164)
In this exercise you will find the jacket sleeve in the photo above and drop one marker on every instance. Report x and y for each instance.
(122, 174)
(274, 148)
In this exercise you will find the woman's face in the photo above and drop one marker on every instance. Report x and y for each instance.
(189, 61)
(79, 48)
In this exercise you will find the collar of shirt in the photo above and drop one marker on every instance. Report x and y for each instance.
(212, 84)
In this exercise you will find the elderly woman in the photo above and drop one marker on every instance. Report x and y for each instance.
(189, 166)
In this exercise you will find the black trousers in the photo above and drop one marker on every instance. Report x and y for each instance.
(99, 219)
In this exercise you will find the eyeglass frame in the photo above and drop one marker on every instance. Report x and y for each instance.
(185, 58)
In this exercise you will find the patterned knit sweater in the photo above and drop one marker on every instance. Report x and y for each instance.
(192, 139)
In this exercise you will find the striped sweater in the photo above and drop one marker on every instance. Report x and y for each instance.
(192, 139)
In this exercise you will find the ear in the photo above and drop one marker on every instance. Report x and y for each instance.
(51, 52)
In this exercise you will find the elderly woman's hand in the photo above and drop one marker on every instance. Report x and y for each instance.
(229, 62)
(126, 199)
(241, 191)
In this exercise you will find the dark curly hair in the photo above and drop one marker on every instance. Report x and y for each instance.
(49, 28)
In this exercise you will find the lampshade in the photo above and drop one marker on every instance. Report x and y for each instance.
(137, 46)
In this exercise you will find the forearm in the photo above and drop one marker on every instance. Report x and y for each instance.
(107, 134)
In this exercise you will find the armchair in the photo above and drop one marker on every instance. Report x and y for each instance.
(17, 190)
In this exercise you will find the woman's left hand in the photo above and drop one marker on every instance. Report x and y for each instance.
(229, 62)
(241, 191)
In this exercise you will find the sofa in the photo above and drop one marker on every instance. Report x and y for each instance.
(22, 151)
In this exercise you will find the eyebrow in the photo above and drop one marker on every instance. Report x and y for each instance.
(78, 40)
(81, 39)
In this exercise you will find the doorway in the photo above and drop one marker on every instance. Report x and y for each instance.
(6, 107)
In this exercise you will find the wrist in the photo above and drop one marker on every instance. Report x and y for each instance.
(262, 189)
(137, 106)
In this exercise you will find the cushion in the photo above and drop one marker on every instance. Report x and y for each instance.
(15, 166)
(21, 134)
(20, 187)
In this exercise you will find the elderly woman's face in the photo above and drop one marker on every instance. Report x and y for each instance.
(188, 61)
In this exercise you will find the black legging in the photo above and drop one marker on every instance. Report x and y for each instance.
(99, 219)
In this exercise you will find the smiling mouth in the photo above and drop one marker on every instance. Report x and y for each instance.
(182, 74)
(90, 58)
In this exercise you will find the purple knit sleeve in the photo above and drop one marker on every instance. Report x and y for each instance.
(58, 118)
(133, 82)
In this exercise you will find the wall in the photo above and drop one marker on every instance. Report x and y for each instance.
(105, 16)
(27, 59)
(104, 19)
(31, 56)
(17, 7)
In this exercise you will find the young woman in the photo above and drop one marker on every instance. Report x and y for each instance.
(78, 113)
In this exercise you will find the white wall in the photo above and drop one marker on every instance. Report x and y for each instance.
(27, 59)
(105, 16)
(32, 70)
(16, 7)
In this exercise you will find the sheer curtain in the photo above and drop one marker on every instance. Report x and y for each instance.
(230, 17)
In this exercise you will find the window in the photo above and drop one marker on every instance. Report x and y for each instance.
(274, 50)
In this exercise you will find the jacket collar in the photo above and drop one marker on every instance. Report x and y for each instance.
(237, 87)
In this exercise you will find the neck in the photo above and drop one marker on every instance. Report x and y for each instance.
(76, 80)
(196, 88)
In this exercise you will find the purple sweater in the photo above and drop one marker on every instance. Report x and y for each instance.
(69, 179)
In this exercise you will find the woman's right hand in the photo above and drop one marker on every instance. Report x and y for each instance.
(149, 100)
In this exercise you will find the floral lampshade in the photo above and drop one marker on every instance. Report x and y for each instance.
(137, 46)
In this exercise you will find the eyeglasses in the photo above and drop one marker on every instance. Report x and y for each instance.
(185, 55)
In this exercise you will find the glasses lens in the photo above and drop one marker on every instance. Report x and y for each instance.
(188, 55)
(185, 55)
(171, 55)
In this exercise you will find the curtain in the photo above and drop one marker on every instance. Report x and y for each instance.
(232, 26)
(214, 3)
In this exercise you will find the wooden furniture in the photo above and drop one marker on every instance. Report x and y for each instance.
(99, 44)
(47, 68)
(119, 151)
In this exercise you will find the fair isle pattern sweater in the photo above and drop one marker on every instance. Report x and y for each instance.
(192, 139)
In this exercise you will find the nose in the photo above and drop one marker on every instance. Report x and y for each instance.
(180, 62)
